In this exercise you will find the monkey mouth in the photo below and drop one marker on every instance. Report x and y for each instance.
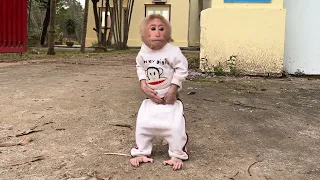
(157, 40)
(156, 82)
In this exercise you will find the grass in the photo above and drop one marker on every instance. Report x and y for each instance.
(193, 61)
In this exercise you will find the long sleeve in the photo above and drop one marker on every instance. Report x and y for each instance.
(180, 66)
(140, 69)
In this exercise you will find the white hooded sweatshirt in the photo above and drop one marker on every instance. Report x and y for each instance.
(163, 67)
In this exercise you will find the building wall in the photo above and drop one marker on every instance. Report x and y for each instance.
(185, 22)
(254, 32)
(222, 4)
(207, 4)
(178, 19)
(194, 22)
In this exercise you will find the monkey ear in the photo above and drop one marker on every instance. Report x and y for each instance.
(160, 70)
(147, 74)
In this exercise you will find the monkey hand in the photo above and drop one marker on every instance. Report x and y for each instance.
(171, 95)
(150, 93)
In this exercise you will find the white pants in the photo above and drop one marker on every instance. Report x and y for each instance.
(161, 120)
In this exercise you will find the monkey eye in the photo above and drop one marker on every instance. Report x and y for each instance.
(161, 28)
(153, 28)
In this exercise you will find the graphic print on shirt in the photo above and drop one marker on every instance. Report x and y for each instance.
(154, 79)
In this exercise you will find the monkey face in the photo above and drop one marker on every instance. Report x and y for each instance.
(156, 34)
(154, 73)
(154, 79)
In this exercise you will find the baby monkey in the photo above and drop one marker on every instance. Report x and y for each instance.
(161, 69)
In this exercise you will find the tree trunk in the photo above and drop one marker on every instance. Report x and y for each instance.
(106, 24)
(127, 22)
(125, 29)
(29, 15)
(121, 23)
(116, 24)
(97, 21)
(85, 22)
(110, 35)
(45, 24)
(52, 28)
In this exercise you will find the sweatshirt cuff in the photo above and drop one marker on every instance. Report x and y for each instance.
(177, 82)
(142, 76)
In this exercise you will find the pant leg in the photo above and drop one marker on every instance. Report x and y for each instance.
(144, 145)
(143, 135)
(178, 138)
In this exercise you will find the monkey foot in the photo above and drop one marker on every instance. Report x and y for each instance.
(140, 159)
(175, 163)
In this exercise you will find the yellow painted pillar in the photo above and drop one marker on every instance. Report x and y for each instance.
(252, 32)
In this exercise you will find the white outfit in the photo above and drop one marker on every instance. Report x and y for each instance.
(161, 120)
(160, 69)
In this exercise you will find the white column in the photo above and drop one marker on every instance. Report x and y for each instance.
(302, 41)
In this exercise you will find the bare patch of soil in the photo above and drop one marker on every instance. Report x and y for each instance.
(61, 115)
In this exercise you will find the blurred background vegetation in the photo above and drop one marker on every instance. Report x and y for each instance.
(67, 11)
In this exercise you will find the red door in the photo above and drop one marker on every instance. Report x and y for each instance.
(13, 25)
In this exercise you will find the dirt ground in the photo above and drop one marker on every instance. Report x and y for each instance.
(60, 116)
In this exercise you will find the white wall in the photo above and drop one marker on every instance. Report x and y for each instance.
(302, 42)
